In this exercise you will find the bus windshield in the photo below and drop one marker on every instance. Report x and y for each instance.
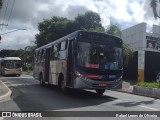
(98, 55)
(12, 64)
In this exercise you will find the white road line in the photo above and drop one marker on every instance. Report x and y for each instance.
(118, 100)
(149, 108)
(14, 85)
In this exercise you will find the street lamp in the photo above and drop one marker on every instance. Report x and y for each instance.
(10, 32)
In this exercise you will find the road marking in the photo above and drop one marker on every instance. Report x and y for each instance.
(149, 108)
(16, 85)
(118, 100)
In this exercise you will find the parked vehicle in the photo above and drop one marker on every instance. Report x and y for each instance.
(10, 66)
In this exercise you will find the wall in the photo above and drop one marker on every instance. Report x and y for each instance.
(148, 47)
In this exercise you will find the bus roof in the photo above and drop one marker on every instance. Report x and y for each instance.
(70, 36)
(11, 58)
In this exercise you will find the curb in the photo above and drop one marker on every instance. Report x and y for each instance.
(6, 95)
(147, 91)
(124, 91)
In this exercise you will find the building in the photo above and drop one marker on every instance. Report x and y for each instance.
(145, 64)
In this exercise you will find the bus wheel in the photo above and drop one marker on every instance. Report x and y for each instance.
(63, 86)
(100, 91)
(41, 80)
(19, 75)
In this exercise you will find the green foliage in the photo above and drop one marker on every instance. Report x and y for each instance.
(114, 29)
(127, 54)
(27, 55)
(57, 27)
(11, 53)
(51, 30)
(90, 21)
(151, 85)
(154, 5)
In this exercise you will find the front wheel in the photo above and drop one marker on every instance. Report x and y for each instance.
(100, 91)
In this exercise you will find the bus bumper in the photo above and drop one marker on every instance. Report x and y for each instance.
(85, 83)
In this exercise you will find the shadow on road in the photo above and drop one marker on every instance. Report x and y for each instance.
(37, 98)
(131, 104)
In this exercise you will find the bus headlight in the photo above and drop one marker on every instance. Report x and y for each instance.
(78, 74)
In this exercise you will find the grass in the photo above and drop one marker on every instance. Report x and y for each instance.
(151, 85)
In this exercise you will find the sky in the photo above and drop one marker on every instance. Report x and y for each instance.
(26, 14)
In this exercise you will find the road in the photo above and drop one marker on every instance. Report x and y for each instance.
(28, 95)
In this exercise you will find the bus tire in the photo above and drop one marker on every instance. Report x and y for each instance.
(19, 75)
(41, 80)
(62, 84)
(100, 91)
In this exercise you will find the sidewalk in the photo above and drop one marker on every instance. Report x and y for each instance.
(5, 92)
(127, 87)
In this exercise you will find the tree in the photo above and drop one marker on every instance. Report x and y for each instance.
(28, 56)
(127, 54)
(90, 21)
(154, 5)
(51, 30)
(9, 53)
(114, 29)
(57, 27)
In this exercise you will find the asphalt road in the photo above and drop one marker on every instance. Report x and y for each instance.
(28, 95)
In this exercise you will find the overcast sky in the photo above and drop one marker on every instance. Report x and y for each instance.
(27, 14)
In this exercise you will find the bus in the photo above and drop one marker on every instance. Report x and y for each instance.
(10, 66)
(81, 60)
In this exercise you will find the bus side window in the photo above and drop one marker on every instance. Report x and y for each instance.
(66, 45)
(59, 46)
(63, 45)
(63, 51)
(35, 57)
(41, 55)
(38, 56)
(42, 52)
(52, 49)
(54, 53)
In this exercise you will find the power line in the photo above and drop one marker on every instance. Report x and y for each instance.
(11, 31)
(11, 11)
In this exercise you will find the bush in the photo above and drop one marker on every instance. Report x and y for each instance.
(151, 85)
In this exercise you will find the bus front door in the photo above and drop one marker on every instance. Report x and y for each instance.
(47, 65)
(70, 64)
